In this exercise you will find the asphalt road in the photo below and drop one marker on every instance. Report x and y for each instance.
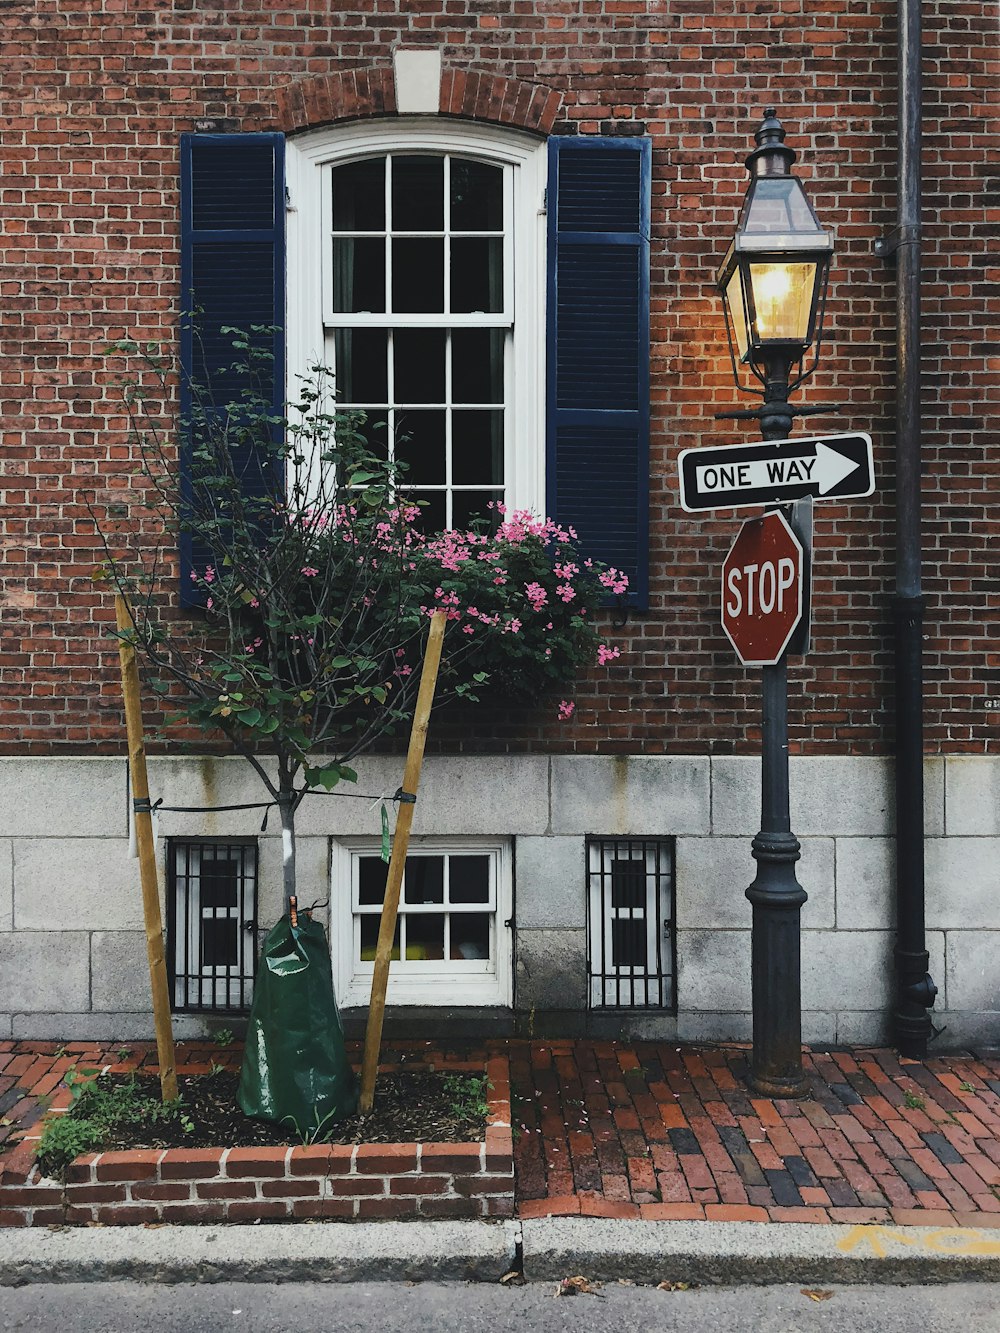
(366, 1307)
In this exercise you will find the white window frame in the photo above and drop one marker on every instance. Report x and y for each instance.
(440, 982)
(308, 159)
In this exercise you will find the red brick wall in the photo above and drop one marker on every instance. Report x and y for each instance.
(95, 98)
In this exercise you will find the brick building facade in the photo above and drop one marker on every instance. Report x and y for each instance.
(657, 766)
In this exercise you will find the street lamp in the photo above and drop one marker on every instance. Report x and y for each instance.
(773, 284)
(773, 279)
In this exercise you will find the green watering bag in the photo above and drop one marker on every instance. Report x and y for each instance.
(295, 1066)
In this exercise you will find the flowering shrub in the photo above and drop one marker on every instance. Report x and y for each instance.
(317, 582)
(525, 600)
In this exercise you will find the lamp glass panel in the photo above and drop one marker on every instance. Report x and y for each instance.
(782, 298)
(778, 205)
(737, 314)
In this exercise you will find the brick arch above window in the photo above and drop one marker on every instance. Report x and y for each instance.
(470, 94)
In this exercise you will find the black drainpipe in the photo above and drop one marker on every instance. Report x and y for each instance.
(915, 991)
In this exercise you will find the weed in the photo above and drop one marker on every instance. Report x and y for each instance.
(123, 1052)
(467, 1094)
(914, 1101)
(316, 1132)
(97, 1108)
(965, 1086)
(215, 1068)
(59, 1053)
(223, 1036)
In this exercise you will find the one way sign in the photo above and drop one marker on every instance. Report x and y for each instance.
(827, 467)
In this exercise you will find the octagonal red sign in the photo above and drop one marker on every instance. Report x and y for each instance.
(762, 589)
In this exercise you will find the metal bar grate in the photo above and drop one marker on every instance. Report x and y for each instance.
(630, 923)
(211, 925)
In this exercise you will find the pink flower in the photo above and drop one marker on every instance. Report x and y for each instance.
(209, 574)
(209, 604)
(606, 654)
(566, 709)
(512, 627)
(614, 580)
(564, 591)
(310, 572)
(536, 595)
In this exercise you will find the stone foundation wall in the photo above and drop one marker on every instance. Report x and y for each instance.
(72, 952)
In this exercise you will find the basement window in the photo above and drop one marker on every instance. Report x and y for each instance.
(452, 940)
(631, 935)
(211, 925)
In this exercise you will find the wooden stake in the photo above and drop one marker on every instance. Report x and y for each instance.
(400, 844)
(147, 859)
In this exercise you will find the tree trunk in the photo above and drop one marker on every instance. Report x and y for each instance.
(286, 808)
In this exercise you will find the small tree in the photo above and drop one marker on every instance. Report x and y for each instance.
(316, 582)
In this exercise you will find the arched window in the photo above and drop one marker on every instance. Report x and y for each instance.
(415, 273)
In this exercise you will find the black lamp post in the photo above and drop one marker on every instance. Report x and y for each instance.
(773, 282)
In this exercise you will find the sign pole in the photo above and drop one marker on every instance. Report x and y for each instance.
(775, 894)
(777, 898)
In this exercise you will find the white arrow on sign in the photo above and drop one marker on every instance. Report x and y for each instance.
(826, 467)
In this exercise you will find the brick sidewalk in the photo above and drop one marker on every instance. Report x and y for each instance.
(653, 1130)
(658, 1131)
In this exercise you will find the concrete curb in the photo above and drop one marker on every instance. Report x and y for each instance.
(722, 1253)
(322, 1252)
(756, 1252)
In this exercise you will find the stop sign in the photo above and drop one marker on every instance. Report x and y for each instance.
(762, 589)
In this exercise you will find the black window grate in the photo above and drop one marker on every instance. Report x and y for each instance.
(630, 923)
(211, 925)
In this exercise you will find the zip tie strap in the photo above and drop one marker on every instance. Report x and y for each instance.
(405, 797)
(141, 805)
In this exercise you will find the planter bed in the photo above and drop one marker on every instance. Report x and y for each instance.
(342, 1182)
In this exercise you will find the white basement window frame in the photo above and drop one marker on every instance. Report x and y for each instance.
(445, 981)
(313, 325)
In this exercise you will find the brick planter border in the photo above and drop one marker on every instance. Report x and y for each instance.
(343, 1182)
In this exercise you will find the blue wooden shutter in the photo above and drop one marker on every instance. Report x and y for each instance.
(232, 277)
(598, 349)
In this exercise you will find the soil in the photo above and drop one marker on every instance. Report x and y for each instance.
(412, 1106)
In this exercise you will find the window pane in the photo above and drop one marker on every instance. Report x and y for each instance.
(418, 365)
(371, 425)
(418, 277)
(418, 194)
(476, 196)
(470, 935)
(477, 448)
(361, 365)
(477, 275)
(359, 196)
(468, 880)
(433, 514)
(218, 882)
(628, 884)
(358, 275)
(219, 942)
(477, 366)
(424, 879)
(628, 943)
(424, 936)
(369, 938)
(372, 874)
(420, 444)
(468, 507)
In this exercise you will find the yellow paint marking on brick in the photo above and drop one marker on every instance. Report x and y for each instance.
(943, 1240)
